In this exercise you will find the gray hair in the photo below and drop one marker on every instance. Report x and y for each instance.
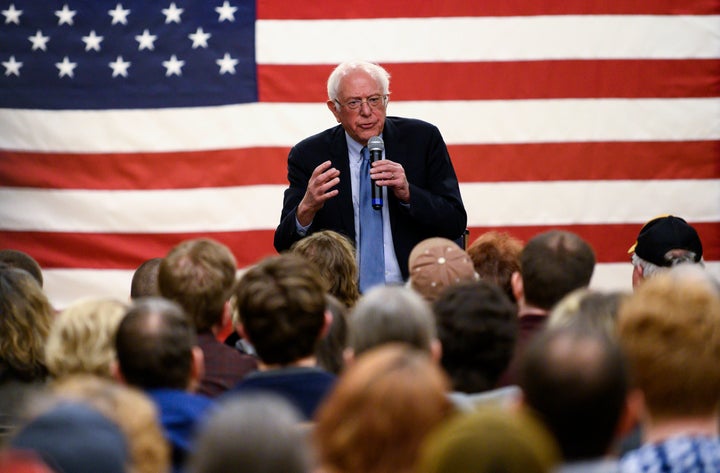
(381, 76)
(675, 257)
(391, 314)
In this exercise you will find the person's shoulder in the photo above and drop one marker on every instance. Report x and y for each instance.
(322, 138)
(404, 124)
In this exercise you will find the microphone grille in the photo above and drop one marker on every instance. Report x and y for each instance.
(376, 144)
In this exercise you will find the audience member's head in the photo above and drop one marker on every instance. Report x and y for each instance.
(588, 309)
(200, 276)
(490, 441)
(75, 438)
(380, 411)
(577, 382)
(282, 307)
(131, 410)
(334, 256)
(552, 264)
(477, 327)
(271, 441)
(436, 263)
(331, 348)
(670, 330)
(145, 279)
(664, 242)
(21, 260)
(82, 338)
(155, 346)
(496, 256)
(25, 318)
(392, 314)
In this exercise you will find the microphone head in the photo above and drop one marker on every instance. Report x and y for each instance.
(376, 143)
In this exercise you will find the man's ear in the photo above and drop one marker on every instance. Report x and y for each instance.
(517, 286)
(115, 372)
(436, 350)
(197, 368)
(633, 413)
(326, 324)
(331, 106)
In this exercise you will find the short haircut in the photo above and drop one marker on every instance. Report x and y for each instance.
(154, 344)
(380, 411)
(553, 264)
(281, 304)
(25, 319)
(21, 260)
(271, 438)
(330, 350)
(496, 256)
(381, 76)
(334, 256)
(477, 326)
(145, 279)
(200, 276)
(587, 309)
(391, 314)
(670, 329)
(82, 338)
(577, 382)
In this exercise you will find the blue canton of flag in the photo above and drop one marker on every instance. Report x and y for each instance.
(90, 54)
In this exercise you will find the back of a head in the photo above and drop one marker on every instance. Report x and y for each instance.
(25, 319)
(154, 344)
(490, 441)
(391, 314)
(74, 438)
(577, 382)
(200, 276)
(589, 310)
(670, 330)
(281, 304)
(496, 256)
(21, 260)
(437, 263)
(145, 279)
(82, 338)
(334, 256)
(553, 264)
(405, 392)
(477, 327)
(131, 409)
(272, 441)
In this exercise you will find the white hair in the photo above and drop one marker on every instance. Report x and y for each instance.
(650, 269)
(381, 76)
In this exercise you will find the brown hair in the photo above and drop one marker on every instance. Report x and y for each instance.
(334, 256)
(381, 410)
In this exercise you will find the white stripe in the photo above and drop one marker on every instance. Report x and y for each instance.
(281, 124)
(488, 39)
(258, 207)
(63, 286)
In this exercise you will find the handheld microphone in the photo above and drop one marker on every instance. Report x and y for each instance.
(376, 146)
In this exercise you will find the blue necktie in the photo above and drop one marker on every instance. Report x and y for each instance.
(372, 258)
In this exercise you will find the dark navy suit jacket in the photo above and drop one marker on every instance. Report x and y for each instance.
(436, 208)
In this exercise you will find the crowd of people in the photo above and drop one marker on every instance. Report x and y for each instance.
(444, 373)
(372, 343)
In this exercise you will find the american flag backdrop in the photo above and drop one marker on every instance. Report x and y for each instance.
(127, 126)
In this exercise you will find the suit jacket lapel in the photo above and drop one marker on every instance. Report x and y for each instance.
(339, 158)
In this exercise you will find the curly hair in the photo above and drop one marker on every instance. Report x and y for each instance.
(25, 318)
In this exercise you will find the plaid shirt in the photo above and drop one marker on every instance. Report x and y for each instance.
(224, 366)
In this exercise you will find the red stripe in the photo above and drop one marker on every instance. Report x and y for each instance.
(282, 9)
(506, 80)
(256, 166)
(127, 251)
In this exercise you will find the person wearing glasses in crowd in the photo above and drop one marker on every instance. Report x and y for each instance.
(327, 179)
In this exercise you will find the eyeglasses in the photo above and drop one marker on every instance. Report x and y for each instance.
(374, 101)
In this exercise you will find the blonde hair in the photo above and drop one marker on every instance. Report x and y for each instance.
(82, 338)
(133, 412)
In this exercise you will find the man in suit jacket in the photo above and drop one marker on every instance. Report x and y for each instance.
(420, 188)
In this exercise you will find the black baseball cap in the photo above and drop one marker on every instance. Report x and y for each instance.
(663, 234)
